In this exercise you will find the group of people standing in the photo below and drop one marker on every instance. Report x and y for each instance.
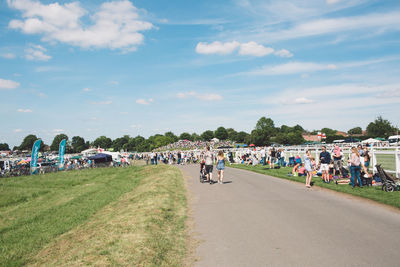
(357, 160)
(208, 160)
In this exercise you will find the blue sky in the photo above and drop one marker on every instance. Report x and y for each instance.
(92, 68)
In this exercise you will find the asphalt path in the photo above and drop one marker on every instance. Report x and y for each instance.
(259, 220)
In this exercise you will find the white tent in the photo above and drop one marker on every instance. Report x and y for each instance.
(88, 152)
(370, 140)
(215, 140)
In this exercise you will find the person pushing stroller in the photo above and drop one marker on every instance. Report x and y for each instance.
(208, 161)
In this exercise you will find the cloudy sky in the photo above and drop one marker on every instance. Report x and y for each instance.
(94, 68)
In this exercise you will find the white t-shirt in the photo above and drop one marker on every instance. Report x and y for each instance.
(208, 158)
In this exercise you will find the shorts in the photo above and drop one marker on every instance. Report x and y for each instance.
(338, 164)
(273, 159)
(209, 169)
(220, 167)
(324, 167)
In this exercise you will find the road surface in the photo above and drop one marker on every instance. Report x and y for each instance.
(258, 220)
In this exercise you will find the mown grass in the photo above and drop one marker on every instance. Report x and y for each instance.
(114, 216)
(374, 193)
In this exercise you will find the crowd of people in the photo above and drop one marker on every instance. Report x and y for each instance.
(192, 145)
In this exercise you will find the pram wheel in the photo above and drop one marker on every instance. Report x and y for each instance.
(388, 188)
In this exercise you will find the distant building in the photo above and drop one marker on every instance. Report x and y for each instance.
(342, 133)
(311, 138)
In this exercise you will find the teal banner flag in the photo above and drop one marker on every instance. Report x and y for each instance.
(34, 156)
(61, 152)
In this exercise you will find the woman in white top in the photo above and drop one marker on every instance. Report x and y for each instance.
(308, 165)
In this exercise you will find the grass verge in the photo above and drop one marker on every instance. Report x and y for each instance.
(118, 216)
(374, 193)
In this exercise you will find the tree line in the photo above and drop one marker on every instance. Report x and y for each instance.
(264, 133)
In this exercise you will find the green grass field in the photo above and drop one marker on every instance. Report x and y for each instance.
(132, 216)
(374, 193)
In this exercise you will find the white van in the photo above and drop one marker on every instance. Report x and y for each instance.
(394, 140)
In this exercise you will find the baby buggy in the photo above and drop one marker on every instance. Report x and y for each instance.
(389, 184)
(203, 175)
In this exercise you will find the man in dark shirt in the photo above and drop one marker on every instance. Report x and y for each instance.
(325, 160)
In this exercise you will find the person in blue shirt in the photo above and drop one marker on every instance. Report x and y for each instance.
(325, 160)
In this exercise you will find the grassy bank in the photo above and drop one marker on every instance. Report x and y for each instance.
(374, 193)
(114, 216)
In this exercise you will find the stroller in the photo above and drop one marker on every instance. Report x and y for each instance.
(203, 175)
(389, 184)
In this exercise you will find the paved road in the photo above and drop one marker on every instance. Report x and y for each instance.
(258, 220)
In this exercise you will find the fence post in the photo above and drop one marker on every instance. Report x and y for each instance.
(316, 156)
(397, 158)
(373, 159)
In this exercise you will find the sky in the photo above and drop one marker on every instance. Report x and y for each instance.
(93, 68)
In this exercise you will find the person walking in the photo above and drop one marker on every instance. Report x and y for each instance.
(209, 159)
(355, 163)
(263, 156)
(220, 166)
(273, 158)
(308, 166)
(325, 160)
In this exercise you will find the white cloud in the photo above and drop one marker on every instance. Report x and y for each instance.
(58, 130)
(332, 1)
(24, 110)
(86, 89)
(254, 49)
(245, 49)
(206, 97)
(136, 126)
(36, 52)
(283, 53)
(108, 102)
(292, 68)
(8, 84)
(114, 82)
(389, 93)
(300, 100)
(144, 101)
(217, 47)
(115, 25)
(18, 130)
(370, 22)
(8, 56)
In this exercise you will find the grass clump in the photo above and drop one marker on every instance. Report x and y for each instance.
(113, 216)
(374, 192)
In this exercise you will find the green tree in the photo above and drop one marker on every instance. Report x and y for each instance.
(4, 146)
(298, 128)
(28, 142)
(196, 137)
(232, 134)
(103, 142)
(118, 143)
(185, 136)
(78, 144)
(295, 138)
(56, 142)
(172, 136)
(221, 133)
(241, 137)
(263, 132)
(259, 138)
(381, 128)
(328, 131)
(355, 130)
(207, 135)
